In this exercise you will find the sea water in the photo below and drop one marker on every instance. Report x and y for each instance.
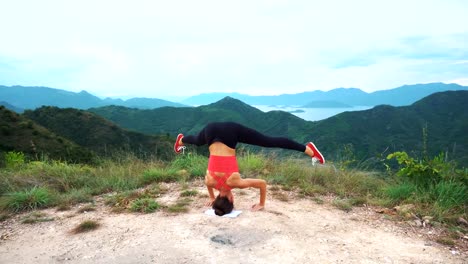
(311, 114)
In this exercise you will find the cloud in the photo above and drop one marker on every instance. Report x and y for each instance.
(153, 48)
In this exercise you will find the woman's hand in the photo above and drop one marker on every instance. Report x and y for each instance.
(209, 202)
(257, 207)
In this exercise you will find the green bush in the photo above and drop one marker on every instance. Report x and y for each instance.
(14, 159)
(424, 173)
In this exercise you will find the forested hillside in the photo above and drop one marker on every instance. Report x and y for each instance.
(100, 135)
(20, 134)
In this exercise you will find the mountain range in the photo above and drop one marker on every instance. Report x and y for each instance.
(80, 135)
(404, 95)
(368, 133)
(18, 98)
(28, 97)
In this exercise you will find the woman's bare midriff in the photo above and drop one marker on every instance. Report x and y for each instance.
(220, 149)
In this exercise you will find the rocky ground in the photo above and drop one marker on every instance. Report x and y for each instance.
(289, 230)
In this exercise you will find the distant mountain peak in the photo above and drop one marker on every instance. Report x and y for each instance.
(234, 104)
(228, 100)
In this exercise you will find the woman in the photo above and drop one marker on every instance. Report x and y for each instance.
(223, 172)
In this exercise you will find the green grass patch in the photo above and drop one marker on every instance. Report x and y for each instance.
(26, 200)
(144, 205)
(122, 199)
(181, 206)
(134, 200)
(160, 175)
(400, 192)
(253, 164)
(75, 196)
(445, 241)
(194, 164)
(189, 193)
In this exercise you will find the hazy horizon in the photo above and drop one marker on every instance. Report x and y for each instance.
(181, 98)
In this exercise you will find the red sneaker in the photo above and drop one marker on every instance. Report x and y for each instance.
(177, 146)
(317, 153)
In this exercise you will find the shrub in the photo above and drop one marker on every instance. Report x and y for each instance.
(14, 159)
(423, 173)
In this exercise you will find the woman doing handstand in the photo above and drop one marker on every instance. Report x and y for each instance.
(223, 172)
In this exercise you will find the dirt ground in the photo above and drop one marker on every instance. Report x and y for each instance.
(289, 230)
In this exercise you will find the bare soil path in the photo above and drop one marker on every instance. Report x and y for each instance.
(293, 231)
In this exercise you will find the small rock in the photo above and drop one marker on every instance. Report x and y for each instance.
(415, 223)
(404, 208)
(428, 218)
(221, 240)
(462, 221)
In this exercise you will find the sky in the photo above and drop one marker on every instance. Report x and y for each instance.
(173, 49)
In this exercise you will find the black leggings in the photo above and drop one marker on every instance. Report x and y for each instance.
(230, 133)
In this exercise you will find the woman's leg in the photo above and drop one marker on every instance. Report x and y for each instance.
(197, 140)
(253, 137)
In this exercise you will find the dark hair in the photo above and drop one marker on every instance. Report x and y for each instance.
(222, 205)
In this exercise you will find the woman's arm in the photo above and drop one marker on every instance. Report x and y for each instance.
(210, 192)
(255, 183)
(212, 197)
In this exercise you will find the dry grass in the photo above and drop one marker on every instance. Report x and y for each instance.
(86, 226)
